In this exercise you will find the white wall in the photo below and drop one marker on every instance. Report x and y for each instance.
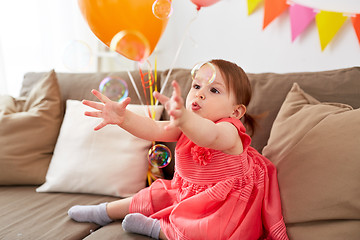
(34, 34)
(224, 30)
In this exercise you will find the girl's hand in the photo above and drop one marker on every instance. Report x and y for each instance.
(111, 112)
(174, 105)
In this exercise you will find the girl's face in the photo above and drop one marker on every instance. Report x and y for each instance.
(211, 100)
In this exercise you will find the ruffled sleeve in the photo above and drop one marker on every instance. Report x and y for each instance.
(245, 138)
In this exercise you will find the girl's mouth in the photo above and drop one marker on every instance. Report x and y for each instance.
(195, 106)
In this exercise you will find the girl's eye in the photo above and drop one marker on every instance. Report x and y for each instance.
(214, 90)
(196, 86)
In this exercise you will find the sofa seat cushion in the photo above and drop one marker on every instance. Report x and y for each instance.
(25, 214)
(114, 231)
(327, 230)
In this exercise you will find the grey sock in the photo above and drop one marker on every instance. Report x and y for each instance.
(138, 223)
(90, 213)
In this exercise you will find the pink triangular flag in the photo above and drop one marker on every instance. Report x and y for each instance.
(300, 17)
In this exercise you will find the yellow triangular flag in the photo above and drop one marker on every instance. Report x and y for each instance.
(252, 5)
(328, 24)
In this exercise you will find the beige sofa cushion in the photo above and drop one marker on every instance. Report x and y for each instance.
(28, 132)
(315, 147)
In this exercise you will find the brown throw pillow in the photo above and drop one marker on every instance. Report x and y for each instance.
(315, 147)
(28, 131)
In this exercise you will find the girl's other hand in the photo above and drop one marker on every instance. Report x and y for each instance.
(111, 112)
(174, 105)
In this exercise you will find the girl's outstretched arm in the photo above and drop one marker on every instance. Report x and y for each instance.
(115, 113)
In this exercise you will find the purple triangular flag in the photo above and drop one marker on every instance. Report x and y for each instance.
(300, 17)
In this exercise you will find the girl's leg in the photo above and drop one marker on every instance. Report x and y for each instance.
(118, 209)
(162, 235)
(101, 214)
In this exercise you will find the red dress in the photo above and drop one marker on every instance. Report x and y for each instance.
(214, 195)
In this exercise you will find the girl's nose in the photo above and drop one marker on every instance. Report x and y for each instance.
(201, 95)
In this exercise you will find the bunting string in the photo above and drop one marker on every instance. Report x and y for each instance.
(328, 23)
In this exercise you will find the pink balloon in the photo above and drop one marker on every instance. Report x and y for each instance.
(204, 3)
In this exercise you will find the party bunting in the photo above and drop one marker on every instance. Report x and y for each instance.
(273, 9)
(328, 24)
(252, 5)
(300, 18)
(356, 23)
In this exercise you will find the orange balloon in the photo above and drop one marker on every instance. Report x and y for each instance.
(107, 18)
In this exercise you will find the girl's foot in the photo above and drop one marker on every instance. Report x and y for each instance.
(138, 223)
(90, 213)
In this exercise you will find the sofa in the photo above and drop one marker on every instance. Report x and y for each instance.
(308, 125)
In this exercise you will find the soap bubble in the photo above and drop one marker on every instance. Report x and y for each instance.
(114, 88)
(162, 9)
(204, 71)
(131, 44)
(77, 55)
(159, 155)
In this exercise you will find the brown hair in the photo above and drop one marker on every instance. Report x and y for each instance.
(238, 82)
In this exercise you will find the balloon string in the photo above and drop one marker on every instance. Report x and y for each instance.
(177, 55)
(143, 85)
(151, 91)
(151, 96)
(155, 82)
(155, 72)
(144, 88)
(136, 90)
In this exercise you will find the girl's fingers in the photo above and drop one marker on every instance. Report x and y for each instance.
(162, 98)
(96, 105)
(100, 126)
(93, 114)
(175, 113)
(179, 102)
(100, 96)
(177, 90)
(177, 94)
(126, 102)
